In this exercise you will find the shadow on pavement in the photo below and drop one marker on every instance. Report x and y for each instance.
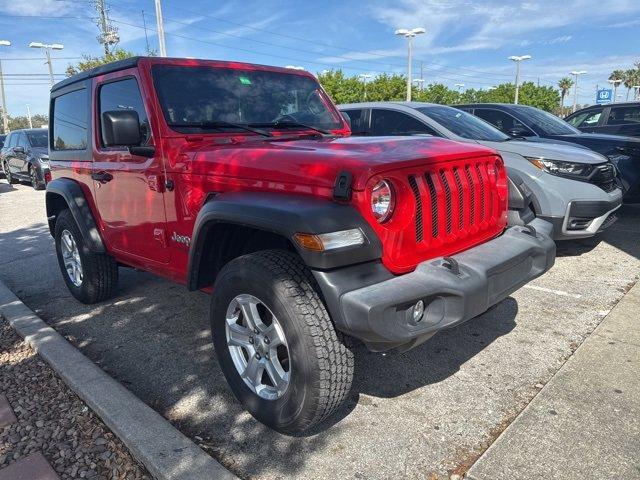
(6, 187)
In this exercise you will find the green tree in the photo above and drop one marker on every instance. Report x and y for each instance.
(89, 61)
(564, 84)
(38, 120)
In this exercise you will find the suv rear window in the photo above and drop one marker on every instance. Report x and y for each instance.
(197, 97)
(69, 127)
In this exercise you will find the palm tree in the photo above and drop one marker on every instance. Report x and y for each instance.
(616, 78)
(565, 85)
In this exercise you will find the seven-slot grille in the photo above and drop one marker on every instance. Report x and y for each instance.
(454, 201)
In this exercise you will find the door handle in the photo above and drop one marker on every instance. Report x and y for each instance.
(102, 177)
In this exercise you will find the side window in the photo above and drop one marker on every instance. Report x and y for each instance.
(591, 119)
(124, 95)
(69, 127)
(391, 122)
(502, 121)
(13, 138)
(358, 121)
(624, 115)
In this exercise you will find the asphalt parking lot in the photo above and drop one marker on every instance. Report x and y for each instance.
(423, 414)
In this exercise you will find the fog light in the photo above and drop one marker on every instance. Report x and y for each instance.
(418, 311)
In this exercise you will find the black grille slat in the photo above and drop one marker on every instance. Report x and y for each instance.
(447, 199)
(433, 195)
(472, 195)
(416, 194)
(456, 176)
(481, 184)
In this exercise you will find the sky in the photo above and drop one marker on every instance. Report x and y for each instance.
(465, 42)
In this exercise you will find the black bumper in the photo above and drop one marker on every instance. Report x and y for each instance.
(377, 307)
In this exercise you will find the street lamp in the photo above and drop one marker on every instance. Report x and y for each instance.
(518, 59)
(409, 34)
(5, 115)
(364, 77)
(615, 83)
(576, 74)
(47, 50)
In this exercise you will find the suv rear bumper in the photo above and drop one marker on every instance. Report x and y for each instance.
(381, 313)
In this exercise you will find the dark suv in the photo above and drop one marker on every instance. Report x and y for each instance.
(614, 119)
(25, 157)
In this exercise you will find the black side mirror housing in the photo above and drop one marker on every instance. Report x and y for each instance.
(121, 128)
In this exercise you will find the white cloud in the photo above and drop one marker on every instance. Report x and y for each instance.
(35, 7)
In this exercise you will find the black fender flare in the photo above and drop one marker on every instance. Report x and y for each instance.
(285, 215)
(74, 197)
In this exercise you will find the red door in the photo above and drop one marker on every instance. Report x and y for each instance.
(128, 189)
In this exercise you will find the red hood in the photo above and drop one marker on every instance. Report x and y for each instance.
(318, 161)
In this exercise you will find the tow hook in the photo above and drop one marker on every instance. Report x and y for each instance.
(452, 264)
(530, 230)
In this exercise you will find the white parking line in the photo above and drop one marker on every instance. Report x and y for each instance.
(562, 293)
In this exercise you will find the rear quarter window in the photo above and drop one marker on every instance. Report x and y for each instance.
(69, 128)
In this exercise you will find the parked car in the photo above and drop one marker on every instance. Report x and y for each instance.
(241, 180)
(615, 119)
(2, 137)
(537, 125)
(573, 188)
(25, 157)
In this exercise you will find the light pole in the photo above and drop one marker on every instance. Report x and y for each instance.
(47, 51)
(576, 74)
(615, 84)
(364, 77)
(637, 90)
(29, 116)
(518, 59)
(5, 115)
(409, 34)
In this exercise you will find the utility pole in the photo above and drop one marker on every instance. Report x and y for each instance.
(29, 116)
(5, 115)
(146, 37)
(108, 33)
(163, 47)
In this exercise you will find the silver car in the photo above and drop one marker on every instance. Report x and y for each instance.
(574, 188)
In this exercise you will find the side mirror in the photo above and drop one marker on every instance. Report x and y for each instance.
(121, 128)
(519, 132)
(347, 118)
(18, 149)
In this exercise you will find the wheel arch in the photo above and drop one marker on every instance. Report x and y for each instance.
(271, 220)
(65, 193)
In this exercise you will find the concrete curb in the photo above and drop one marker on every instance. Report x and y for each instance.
(164, 451)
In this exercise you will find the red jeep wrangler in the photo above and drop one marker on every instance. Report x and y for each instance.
(242, 180)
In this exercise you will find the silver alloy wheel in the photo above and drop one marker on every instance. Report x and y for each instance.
(71, 257)
(33, 176)
(258, 347)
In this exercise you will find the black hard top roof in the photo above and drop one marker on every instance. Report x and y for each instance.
(101, 70)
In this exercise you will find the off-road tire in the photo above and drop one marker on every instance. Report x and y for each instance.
(100, 271)
(10, 178)
(35, 182)
(321, 365)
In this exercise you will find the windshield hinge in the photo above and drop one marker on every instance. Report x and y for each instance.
(342, 187)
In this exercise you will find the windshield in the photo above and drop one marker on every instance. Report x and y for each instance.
(546, 123)
(463, 124)
(195, 98)
(38, 139)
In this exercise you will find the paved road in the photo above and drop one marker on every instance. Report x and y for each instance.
(423, 414)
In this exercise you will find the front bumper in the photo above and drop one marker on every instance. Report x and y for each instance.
(381, 314)
(585, 218)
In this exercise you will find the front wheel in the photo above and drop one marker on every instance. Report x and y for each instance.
(275, 342)
(33, 177)
(7, 173)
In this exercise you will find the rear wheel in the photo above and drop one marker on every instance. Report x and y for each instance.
(91, 277)
(276, 345)
(10, 178)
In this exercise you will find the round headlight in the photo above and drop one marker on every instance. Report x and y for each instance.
(382, 201)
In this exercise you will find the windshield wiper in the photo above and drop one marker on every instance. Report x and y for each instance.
(293, 125)
(220, 124)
